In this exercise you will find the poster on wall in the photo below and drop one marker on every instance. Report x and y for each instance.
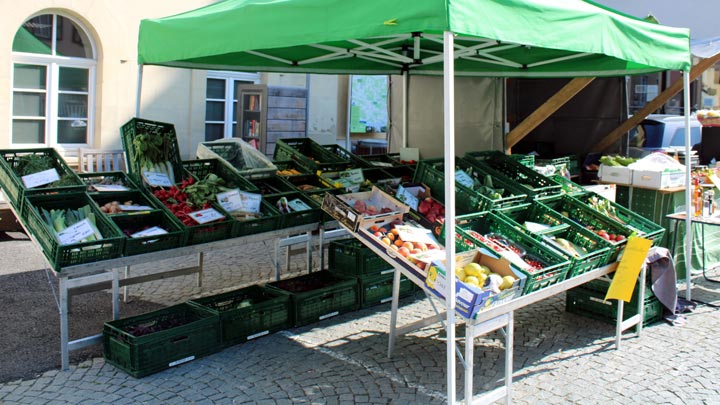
(368, 108)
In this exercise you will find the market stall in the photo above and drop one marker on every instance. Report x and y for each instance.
(514, 38)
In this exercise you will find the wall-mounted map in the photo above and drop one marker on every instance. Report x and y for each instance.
(368, 109)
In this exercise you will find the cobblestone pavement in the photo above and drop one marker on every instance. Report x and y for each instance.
(559, 357)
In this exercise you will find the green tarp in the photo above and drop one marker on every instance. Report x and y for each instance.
(500, 38)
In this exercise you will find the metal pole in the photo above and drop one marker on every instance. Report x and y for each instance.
(449, 142)
(349, 114)
(688, 189)
(139, 90)
(404, 109)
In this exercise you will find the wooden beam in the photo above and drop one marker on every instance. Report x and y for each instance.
(547, 109)
(654, 104)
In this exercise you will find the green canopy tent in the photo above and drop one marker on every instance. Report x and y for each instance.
(490, 38)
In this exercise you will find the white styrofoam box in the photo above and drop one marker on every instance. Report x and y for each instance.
(616, 174)
(658, 180)
(608, 191)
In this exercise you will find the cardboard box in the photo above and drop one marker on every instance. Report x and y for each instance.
(616, 174)
(658, 180)
(342, 207)
(471, 299)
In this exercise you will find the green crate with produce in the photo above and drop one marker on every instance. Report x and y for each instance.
(107, 182)
(149, 232)
(295, 209)
(71, 230)
(309, 155)
(26, 172)
(152, 147)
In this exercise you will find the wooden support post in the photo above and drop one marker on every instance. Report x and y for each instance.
(547, 109)
(654, 104)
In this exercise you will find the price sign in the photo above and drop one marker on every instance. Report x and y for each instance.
(154, 231)
(298, 205)
(464, 178)
(41, 178)
(76, 232)
(135, 208)
(409, 196)
(353, 176)
(109, 187)
(156, 179)
(415, 234)
(206, 215)
(239, 201)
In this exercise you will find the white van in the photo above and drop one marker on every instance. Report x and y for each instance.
(663, 133)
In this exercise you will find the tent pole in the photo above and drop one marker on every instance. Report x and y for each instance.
(688, 189)
(404, 109)
(449, 170)
(349, 112)
(138, 91)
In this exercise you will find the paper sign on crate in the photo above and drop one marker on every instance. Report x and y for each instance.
(76, 232)
(411, 233)
(239, 201)
(206, 215)
(155, 179)
(40, 178)
(109, 187)
(412, 194)
(154, 231)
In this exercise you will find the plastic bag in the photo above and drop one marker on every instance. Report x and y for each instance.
(239, 154)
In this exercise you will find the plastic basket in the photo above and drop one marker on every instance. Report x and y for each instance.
(381, 160)
(351, 257)
(591, 303)
(174, 238)
(269, 221)
(502, 167)
(107, 179)
(248, 313)
(525, 160)
(135, 196)
(60, 256)
(201, 168)
(344, 154)
(138, 126)
(629, 219)
(13, 185)
(568, 187)
(317, 296)
(309, 154)
(598, 250)
(297, 218)
(377, 289)
(238, 154)
(556, 266)
(289, 168)
(184, 333)
(273, 185)
(308, 183)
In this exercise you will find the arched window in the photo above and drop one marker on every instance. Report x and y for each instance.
(53, 80)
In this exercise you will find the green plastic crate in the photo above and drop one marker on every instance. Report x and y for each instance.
(310, 155)
(200, 168)
(525, 160)
(556, 266)
(598, 250)
(174, 238)
(351, 257)
(136, 196)
(629, 219)
(60, 256)
(248, 313)
(308, 183)
(15, 190)
(509, 171)
(155, 129)
(318, 296)
(296, 218)
(377, 289)
(344, 154)
(273, 185)
(568, 187)
(269, 220)
(178, 334)
(290, 165)
(104, 178)
(590, 303)
(232, 154)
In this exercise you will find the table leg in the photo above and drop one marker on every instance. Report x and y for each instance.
(277, 259)
(393, 311)
(115, 293)
(308, 250)
(469, 363)
(201, 260)
(64, 336)
(321, 233)
(509, 342)
(125, 289)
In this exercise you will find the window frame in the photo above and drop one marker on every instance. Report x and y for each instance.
(53, 63)
(231, 81)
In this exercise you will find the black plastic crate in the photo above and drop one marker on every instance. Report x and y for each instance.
(351, 257)
(248, 313)
(13, 162)
(161, 132)
(148, 343)
(377, 289)
(317, 296)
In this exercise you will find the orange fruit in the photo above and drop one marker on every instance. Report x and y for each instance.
(404, 251)
(374, 228)
(394, 231)
(399, 242)
(408, 245)
(390, 235)
(386, 241)
(395, 248)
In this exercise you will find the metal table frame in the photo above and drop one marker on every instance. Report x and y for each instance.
(497, 317)
(681, 217)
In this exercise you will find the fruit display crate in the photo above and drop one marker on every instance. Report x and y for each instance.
(310, 155)
(145, 344)
(597, 251)
(570, 162)
(375, 289)
(289, 168)
(163, 131)
(475, 228)
(201, 168)
(13, 161)
(59, 255)
(568, 187)
(591, 303)
(591, 219)
(295, 217)
(238, 154)
(248, 313)
(129, 225)
(308, 183)
(317, 296)
(627, 218)
(351, 257)
(104, 182)
(431, 173)
(501, 167)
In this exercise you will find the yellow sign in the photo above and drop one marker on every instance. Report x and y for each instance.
(626, 275)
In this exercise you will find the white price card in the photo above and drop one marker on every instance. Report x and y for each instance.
(298, 205)
(206, 215)
(353, 176)
(109, 187)
(464, 178)
(41, 178)
(154, 231)
(239, 201)
(76, 232)
(409, 195)
(410, 233)
(156, 179)
(135, 208)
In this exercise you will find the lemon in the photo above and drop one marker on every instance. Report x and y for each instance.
(474, 269)
(460, 273)
(507, 282)
(472, 280)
